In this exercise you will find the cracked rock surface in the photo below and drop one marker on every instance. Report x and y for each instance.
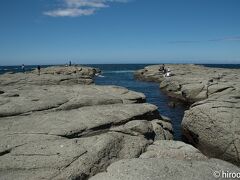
(72, 132)
(212, 123)
(213, 126)
(168, 160)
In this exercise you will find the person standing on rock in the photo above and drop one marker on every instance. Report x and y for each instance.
(164, 71)
(23, 68)
(39, 69)
(162, 68)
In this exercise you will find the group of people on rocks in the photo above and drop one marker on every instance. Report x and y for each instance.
(39, 68)
(68, 64)
(166, 71)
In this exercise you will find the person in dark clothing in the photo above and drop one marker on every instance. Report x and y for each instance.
(39, 69)
(70, 63)
(164, 71)
(162, 67)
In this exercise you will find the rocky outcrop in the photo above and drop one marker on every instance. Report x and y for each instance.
(192, 83)
(213, 126)
(168, 160)
(212, 122)
(18, 99)
(51, 76)
(173, 149)
(72, 132)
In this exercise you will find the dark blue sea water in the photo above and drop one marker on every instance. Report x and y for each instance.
(122, 75)
(15, 69)
(4, 69)
(230, 66)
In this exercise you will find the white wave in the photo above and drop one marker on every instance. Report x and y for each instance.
(101, 76)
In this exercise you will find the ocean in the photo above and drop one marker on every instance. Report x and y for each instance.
(122, 75)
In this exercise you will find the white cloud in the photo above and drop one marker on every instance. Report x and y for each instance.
(74, 8)
(85, 3)
(70, 12)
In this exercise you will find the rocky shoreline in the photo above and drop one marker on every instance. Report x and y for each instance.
(60, 125)
(53, 75)
(212, 123)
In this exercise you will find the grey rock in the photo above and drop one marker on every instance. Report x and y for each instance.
(135, 128)
(77, 122)
(167, 160)
(38, 98)
(214, 88)
(212, 122)
(213, 126)
(169, 169)
(191, 91)
(163, 130)
(69, 158)
(192, 83)
(173, 149)
(51, 76)
(70, 132)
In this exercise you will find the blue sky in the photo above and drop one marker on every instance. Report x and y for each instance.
(119, 31)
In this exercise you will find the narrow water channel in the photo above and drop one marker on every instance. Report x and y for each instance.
(122, 75)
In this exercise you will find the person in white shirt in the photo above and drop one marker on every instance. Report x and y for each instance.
(168, 74)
